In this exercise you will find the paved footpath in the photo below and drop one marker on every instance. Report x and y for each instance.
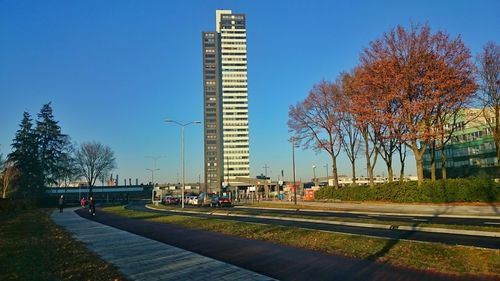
(230, 257)
(140, 258)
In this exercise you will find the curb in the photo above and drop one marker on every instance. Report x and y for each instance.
(366, 225)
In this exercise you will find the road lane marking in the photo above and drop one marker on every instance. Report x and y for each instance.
(496, 223)
(419, 220)
(397, 217)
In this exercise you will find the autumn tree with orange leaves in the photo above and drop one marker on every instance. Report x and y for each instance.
(407, 78)
(315, 122)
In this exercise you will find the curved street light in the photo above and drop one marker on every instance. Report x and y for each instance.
(183, 161)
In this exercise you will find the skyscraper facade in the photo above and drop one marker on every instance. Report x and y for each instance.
(226, 101)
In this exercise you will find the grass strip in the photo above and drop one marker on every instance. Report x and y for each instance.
(33, 247)
(373, 220)
(427, 256)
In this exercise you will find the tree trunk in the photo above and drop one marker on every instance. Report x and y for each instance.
(419, 153)
(9, 174)
(353, 163)
(496, 133)
(433, 160)
(370, 173)
(402, 172)
(420, 170)
(335, 171)
(443, 162)
(498, 159)
(390, 172)
(369, 168)
(90, 189)
(4, 190)
(402, 158)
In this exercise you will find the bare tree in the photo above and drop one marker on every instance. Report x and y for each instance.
(94, 160)
(489, 74)
(9, 174)
(366, 108)
(315, 122)
(350, 136)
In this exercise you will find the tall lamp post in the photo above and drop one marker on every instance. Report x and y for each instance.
(293, 169)
(153, 175)
(155, 158)
(183, 161)
(314, 174)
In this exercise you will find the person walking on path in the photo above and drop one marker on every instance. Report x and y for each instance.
(61, 203)
(92, 205)
(83, 201)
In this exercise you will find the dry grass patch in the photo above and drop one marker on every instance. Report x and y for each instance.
(32, 247)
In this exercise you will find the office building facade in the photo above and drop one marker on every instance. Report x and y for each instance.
(226, 101)
(471, 150)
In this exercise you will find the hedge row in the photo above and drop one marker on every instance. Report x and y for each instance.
(440, 191)
(7, 205)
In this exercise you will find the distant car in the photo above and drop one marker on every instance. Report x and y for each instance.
(201, 198)
(193, 200)
(167, 200)
(220, 201)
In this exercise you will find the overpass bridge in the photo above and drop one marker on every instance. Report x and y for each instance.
(101, 193)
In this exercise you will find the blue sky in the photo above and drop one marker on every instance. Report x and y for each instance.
(114, 70)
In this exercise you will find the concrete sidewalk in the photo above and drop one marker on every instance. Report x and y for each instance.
(462, 210)
(141, 258)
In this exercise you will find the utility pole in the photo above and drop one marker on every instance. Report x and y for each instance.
(265, 169)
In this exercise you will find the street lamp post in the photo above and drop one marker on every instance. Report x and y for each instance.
(153, 175)
(155, 158)
(293, 169)
(314, 174)
(183, 161)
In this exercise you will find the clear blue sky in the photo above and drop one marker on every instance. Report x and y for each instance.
(114, 70)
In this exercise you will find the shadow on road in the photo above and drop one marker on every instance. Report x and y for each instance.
(391, 243)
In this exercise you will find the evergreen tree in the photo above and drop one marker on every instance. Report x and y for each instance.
(66, 165)
(52, 145)
(24, 157)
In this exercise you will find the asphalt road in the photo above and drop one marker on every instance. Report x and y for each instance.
(434, 219)
(280, 262)
(394, 234)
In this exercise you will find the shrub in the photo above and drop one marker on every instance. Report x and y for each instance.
(472, 189)
(7, 205)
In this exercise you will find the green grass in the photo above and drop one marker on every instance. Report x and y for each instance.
(32, 247)
(333, 219)
(427, 256)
